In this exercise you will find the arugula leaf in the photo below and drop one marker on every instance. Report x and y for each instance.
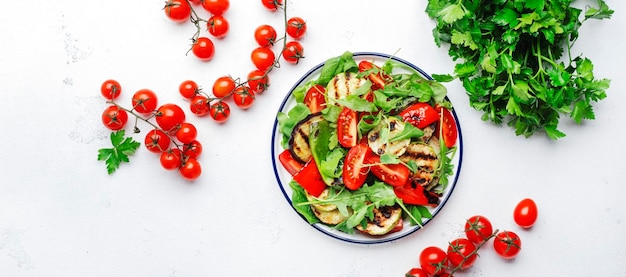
(122, 148)
(298, 196)
(287, 121)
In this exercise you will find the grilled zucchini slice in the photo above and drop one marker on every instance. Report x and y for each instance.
(342, 85)
(385, 218)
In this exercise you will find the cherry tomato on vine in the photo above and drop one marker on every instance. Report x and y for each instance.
(263, 58)
(188, 89)
(223, 86)
(433, 260)
(217, 26)
(170, 117)
(216, 7)
(243, 97)
(111, 89)
(461, 252)
(171, 159)
(192, 149)
(156, 141)
(177, 10)
(293, 52)
(507, 244)
(195, 2)
(525, 213)
(203, 48)
(114, 118)
(258, 81)
(199, 105)
(219, 111)
(265, 35)
(296, 27)
(186, 133)
(190, 169)
(478, 229)
(144, 101)
(416, 272)
(272, 5)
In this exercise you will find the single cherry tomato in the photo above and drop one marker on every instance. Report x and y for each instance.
(217, 26)
(220, 111)
(293, 52)
(258, 81)
(190, 169)
(272, 5)
(433, 260)
(188, 89)
(310, 179)
(223, 86)
(111, 89)
(171, 159)
(461, 252)
(416, 272)
(315, 98)
(186, 133)
(243, 97)
(354, 168)
(448, 127)
(507, 244)
(263, 58)
(177, 10)
(289, 163)
(216, 7)
(396, 175)
(203, 48)
(169, 117)
(420, 115)
(478, 229)
(144, 101)
(156, 141)
(199, 105)
(195, 2)
(347, 127)
(525, 213)
(192, 149)
(265, 35)
(296, 27)
(114, 118)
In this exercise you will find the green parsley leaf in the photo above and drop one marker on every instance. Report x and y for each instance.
(122, 148)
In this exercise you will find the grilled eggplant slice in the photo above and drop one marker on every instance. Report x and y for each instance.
(426, 159)
(378, 138)
(299, 140)
(385, 219)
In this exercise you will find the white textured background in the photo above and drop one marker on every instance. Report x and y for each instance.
(62, 215)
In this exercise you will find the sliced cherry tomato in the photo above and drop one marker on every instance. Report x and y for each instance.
(378, 79)
(507, 244)
(265, 35)
(416, 195)
(395, 175)
(525, 213)
(347, 128)
(461, 252)
(354, 167)
(217, 26)
(310, 179)
(315, 99)
(420, 115)
(478, 229)
(448, 127)
(289, 163)
(111, 89)
(433, 260)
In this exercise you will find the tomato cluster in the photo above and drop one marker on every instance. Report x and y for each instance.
(462, 252)
(171, 136)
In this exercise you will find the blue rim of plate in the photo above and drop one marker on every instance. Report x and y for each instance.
(347, 237)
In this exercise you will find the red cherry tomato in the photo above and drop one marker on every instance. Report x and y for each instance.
(203, 48)
(354, 168)
(478, 229)
(169, 117)
(186, 133)
(199, 105)
(190, 169)
(177, 10)
(347, 127)
(144, 101)
(217, 26)
(293, 52)
(272, 5)
(296, 27)
(223, 86)
(192, 149)
(263, 58)
(111, 89)
(265, 35)
(525, 213)
(377, 77)
(220, 111)
(420, 115)
(216, 7)
(395, 175)
(156, 141)
(188, 89)
(171, 159)
(507, 244)
(258, 81)
(461, 252)
(114, 118)
(416, 272)
(243, 97)
(433, 260)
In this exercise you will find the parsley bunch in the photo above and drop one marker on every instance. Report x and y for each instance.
(512, 62)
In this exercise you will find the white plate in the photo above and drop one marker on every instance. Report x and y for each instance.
(283, 177)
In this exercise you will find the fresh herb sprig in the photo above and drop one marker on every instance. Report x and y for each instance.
(511, 60)
(122, 148)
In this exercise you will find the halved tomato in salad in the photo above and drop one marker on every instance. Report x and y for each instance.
(355, 167)
(420, 115)
(448, 127)
(347, 132)
(315, 99)
(395, 175)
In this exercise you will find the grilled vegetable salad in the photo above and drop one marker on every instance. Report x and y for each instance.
(368, 148)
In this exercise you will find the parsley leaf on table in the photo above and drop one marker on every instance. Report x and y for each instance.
(122, 148)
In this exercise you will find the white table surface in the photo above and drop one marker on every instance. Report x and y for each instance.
(62, 215)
